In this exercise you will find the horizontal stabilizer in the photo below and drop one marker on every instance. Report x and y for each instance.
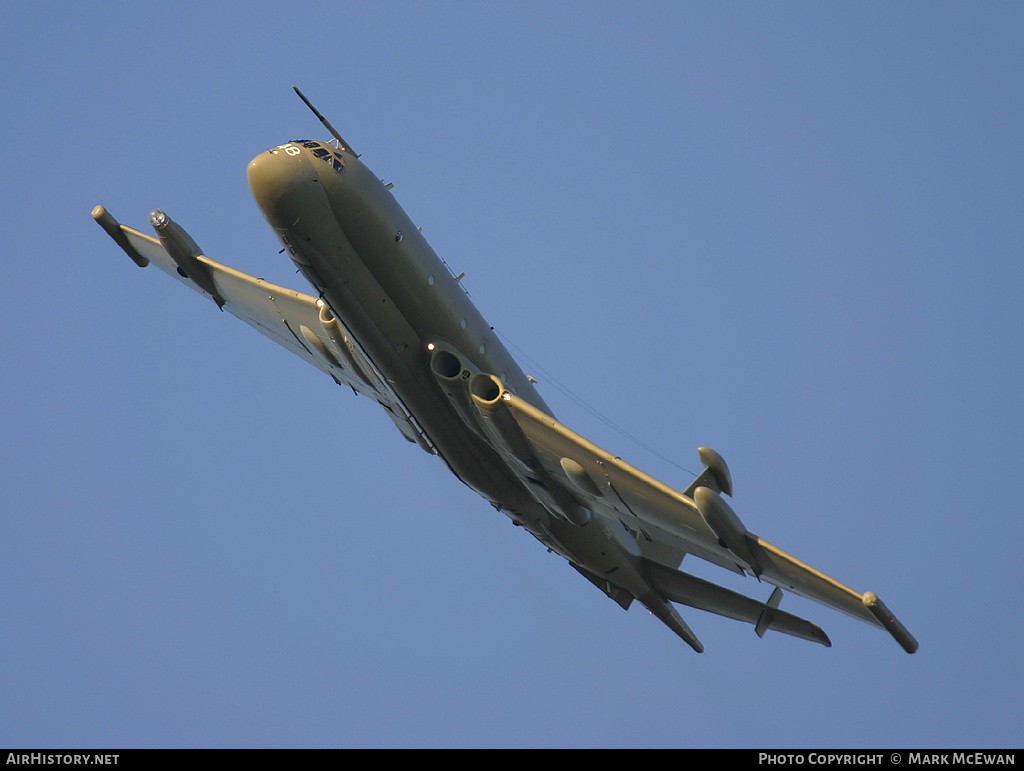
(670, 617)
(697, 593)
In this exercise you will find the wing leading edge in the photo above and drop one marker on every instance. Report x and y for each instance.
(296, 321)
(699, 523)
(579, 477)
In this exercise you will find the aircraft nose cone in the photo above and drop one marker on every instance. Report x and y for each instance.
(274, 173)
(283, 184)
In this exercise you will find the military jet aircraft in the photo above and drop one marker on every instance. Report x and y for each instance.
(389, 319)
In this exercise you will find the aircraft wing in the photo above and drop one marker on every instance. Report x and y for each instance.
(296, 321)
(698, 522)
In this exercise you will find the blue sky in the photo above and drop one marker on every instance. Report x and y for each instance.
(790, 231)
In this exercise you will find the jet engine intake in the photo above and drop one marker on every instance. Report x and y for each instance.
(447, 366)
(453, 374)
(485, 388)
(500, 426)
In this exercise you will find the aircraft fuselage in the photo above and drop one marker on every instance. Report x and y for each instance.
(392, 322)
(358, 248)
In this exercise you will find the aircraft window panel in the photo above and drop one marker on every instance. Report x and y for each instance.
(320, 152)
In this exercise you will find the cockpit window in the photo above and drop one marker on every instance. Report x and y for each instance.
(335, 161)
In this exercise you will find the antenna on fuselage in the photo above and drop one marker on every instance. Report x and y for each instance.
(334, 133)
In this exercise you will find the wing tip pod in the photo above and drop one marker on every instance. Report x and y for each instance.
(113, 229)
(889, 622)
